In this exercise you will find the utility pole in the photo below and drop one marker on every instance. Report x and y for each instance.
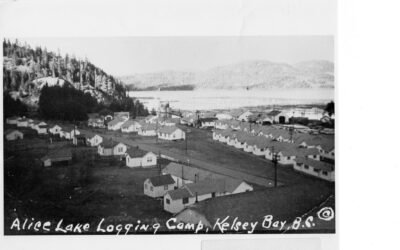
(157, 131)
(275, 159)
(291, 129)
(158, 161)
(186, 141)
(183, 182)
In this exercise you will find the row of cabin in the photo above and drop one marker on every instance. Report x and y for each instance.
(181, 186)
(267, 117)
(40, 127)
(101, 121)
(313, 150)
(164, 129)
(134, 156)
(324, 143)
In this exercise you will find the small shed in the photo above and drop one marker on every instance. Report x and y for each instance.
(61, 156)
(13, 134)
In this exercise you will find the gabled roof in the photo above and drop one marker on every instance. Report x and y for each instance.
(246, 112)
(208, 119)
(179, 194)
(115, 121)
(161, 180)
(188, 172)
(236, 113)
(204, 187)
(207, 186)
(9, 131)
(172, 120)
(225, 132)
(110, 143)
(168, 129)
(260, 142)
(54, 125)
(149, 126)
(327, 142)
(274, 113)
(243, 136)
(289, 149)
(315, 164)
(136, 152)
(245, 125)
(59, 153)
(129, 123)
(13, 118)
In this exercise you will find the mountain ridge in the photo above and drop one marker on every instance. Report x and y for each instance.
(253, 74)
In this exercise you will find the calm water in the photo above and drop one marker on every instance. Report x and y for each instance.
(226, 99)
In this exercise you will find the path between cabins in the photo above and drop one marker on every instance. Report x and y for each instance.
(220, 169)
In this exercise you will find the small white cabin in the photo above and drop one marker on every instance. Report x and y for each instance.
(136, 157)
(12, 135)
(171, 133)
(158, 186)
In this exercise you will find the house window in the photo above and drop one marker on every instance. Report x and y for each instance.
(151, 188)
(185, 200)
(167, 201)
(324, 173)
(316, 170)
(165, 187)
(288, 157)
(149, 159)
(306, 167)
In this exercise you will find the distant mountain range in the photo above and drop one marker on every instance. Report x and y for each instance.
(258, 74)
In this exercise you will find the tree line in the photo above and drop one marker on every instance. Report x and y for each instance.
(68, 103)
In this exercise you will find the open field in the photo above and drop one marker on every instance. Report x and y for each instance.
(204, 152)
(64, 192)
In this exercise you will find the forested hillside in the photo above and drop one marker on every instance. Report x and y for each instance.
(26, 71)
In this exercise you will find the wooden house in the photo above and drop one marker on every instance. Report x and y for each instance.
(171, 133)
(148, 129)
(61, 156)
(130, 126)
(320, 169)
(13, 134)
(136, 157)
(158, 186)
(111, 148)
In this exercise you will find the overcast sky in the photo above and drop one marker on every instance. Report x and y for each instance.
(130, 55)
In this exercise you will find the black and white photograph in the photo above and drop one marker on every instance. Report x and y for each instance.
(199, 124)
(169, 135)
